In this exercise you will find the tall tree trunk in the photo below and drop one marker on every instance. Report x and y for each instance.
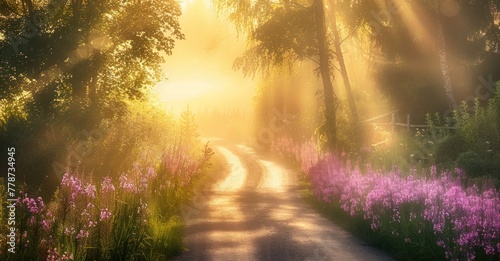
(343, 70)
(78, 84)
(443, 64)
(324, 67)
(94, 68)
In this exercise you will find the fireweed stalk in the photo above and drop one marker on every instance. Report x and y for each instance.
(463, 222)
(110, 219)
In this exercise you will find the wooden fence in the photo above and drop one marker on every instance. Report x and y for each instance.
(393, 123)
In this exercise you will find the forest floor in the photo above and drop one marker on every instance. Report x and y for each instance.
(255, 212)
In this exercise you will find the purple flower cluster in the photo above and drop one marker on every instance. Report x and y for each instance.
(88, 211)
(463, 220)
(105, 214)
(72, 187)
(82, 206)
(38, 215)
(135, 181)
(107, 186)
(127, 183)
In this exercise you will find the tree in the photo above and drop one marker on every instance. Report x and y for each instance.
(66, 65)
(280, 33)
(337, 42)
(188, 126)
(324, 67)
(84, 55)
(428, 44)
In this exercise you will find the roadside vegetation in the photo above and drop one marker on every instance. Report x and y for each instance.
(443, 207)
(123, 201)
(102, 173)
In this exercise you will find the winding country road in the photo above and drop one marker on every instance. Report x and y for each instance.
(255, 213)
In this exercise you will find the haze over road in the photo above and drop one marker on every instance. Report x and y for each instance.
(255, 213)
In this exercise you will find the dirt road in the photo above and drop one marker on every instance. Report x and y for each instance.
(255, 213)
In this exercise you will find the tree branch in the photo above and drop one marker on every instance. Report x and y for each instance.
(298, 5)
(351, 33)
(313, 60)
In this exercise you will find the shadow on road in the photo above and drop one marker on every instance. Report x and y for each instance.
(263, 221)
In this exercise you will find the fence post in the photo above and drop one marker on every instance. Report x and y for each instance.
(393, 123)
(408, 122)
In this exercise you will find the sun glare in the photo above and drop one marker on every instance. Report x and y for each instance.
(183, 90)
(184, 4)
(199, 72)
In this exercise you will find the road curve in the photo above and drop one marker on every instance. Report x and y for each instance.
(255, 213)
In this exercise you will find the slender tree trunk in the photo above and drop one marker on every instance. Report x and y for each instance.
(92, 89)
(78, 84)
(343, 69)
(443, 64)
(324, 66)
(77, 88)
(96, 62)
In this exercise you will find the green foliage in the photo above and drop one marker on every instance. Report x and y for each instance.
(469, 139)
(471, 163)
(348, 133)
(84, 56)
(140, 135)
(128, 230)
(477, 140)
(50, 145)
(450, 148)
(406, 72)
(40, 140)
(143, 206)
(438, 127)
(66, 86)
(164, 240)
(3, 209)
(282, 33)
(481, 126)
(283, 39)
(405, 151)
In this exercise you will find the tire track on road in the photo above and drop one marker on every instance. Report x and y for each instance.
(255, 213)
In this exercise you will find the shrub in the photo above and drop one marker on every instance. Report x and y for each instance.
(450, 148)
(480, 129)
(471, 163)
